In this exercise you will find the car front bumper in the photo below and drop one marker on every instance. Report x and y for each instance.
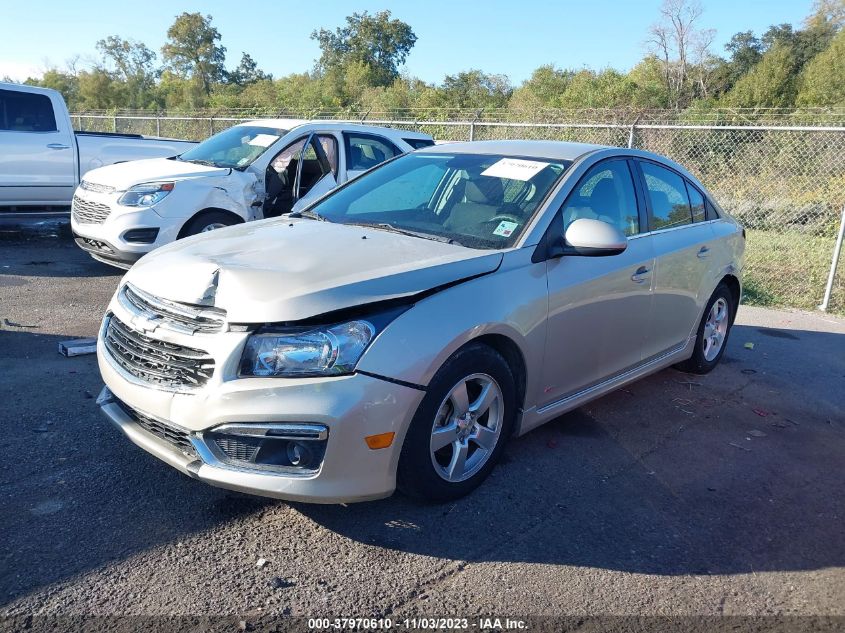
(350, 407)
(105, 239)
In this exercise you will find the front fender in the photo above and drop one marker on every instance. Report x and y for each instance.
(511, 302)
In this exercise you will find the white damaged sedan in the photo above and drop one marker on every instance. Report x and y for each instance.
(398, 331)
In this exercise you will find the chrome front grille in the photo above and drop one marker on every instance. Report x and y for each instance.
(165, 365)
(89, 212)
(180, 317)
(93, 186)
(178, 438)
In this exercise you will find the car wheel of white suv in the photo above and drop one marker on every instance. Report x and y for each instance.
(208, 221)
(460, 428)
(712, 335)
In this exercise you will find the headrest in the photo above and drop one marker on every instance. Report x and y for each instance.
(484, 190)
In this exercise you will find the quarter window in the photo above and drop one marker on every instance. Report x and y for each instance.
(696, 203)
(605, 193)
(26, 112)
(667, 192)
(364, 151)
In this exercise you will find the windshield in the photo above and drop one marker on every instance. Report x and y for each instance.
(236, 147)
(476, 200)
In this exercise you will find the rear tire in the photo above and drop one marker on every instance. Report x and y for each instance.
(711, 338)
(450, 447)
(208, 221)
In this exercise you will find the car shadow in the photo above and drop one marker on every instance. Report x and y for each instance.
(663, 477)
(734, 472)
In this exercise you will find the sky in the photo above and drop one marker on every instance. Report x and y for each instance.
(510, 37)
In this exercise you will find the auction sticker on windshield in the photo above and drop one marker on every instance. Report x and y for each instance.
(514, 169)
(264, 140)
(505, 228)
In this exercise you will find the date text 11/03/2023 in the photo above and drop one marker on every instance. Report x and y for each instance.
(418, 623)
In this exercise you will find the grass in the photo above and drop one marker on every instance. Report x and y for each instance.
(790, 269)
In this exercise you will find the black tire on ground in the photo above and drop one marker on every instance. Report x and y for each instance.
(697, 363)
(199, 222)
(416, 475)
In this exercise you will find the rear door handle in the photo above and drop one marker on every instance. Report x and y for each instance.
(703, 252)
(640, 275)
(58, 146)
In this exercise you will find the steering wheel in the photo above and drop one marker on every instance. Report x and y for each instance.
(505, 217)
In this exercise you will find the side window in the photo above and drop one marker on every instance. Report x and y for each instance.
(668, 195)
(605, 193)
(417, 143)
(712, 214)
(365, 150)
(696, 203)
(329, 143)
(26, 112)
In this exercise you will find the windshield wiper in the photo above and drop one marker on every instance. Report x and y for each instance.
(307, 214)
(199, 161)
(386, 226)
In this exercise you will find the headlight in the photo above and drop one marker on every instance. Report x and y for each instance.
(145, 195)
(320, 351)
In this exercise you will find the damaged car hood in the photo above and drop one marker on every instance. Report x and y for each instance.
(121, 176)
(293, 269)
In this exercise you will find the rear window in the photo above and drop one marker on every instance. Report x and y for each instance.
(26, 112)
(417, 143)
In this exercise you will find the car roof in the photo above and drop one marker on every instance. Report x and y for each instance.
(290, 124)
(559, 150)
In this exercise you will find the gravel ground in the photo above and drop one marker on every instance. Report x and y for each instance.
(678, 495)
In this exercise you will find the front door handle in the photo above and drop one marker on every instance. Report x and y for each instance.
(703, 252)
(640, 275)
(58, 146)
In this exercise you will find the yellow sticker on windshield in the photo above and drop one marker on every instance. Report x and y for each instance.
(514, 168)
(505, 228)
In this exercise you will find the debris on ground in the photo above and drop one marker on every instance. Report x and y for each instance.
(761, 412)
(78, 347)
(21, 325)
(749, 345)
(756, 433)
(740, 447)
(280, 583)
(748, 372)
(260, 563)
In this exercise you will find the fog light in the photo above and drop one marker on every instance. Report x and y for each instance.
(299, 454)
(269, 446)
(140, 236)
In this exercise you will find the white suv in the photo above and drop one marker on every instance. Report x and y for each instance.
(251, 171)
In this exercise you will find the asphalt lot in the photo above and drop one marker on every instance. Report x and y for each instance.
(679, 495)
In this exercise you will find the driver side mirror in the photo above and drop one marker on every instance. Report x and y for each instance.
(589, 238)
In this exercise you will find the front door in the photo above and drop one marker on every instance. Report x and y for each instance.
(304, 170)
(599, 307)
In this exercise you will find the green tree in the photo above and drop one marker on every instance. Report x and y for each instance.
(543, 89)
(133, 65)
(476, 89)
(247, 72)
(193, 51)
(376, 41)
(823, 80)
(66, 83)
(771, 83)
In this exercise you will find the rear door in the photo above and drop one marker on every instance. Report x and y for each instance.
(37, 161)
(683, 242)
(599, 307)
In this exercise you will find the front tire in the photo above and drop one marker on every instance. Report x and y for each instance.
(460, 428)
(208, 221)
(712, 335)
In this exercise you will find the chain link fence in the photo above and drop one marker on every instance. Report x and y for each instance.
(785, 183)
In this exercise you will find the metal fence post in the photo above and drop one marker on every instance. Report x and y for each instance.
(211, 126)
(837, 251)
(158, 125)
(114, 124)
